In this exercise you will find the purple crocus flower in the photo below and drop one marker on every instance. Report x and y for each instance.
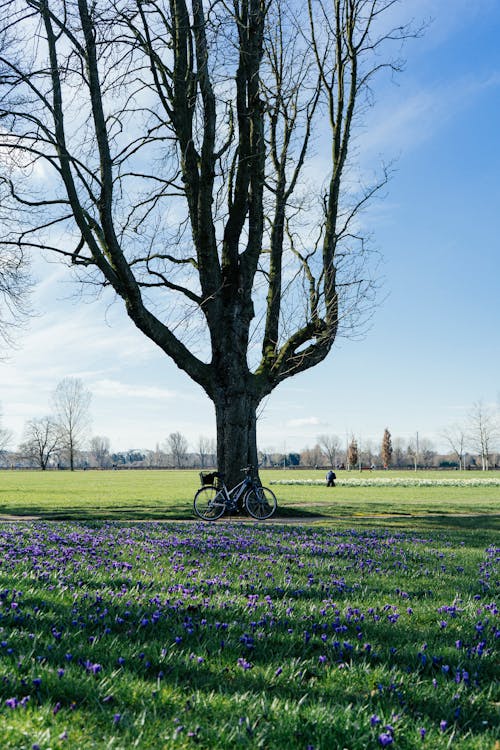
(385, 739)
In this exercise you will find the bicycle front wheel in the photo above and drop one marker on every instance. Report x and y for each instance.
(209, 503)
(260, 502)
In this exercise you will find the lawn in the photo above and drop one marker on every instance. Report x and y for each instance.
(167, 495)
(181, 635)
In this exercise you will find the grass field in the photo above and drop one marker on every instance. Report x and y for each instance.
(174, 635)
(359, 618)
(167, 495)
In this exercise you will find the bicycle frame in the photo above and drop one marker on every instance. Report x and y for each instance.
(233, 495)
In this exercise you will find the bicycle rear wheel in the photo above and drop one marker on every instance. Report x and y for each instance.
(260, 502)
(209, 503)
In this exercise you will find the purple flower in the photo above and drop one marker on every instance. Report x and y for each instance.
(442, 725)
(385, 739)
(423, 732)
(244, 664)
(116, 718)
(11, 702)
(93, 668)
(374, 720)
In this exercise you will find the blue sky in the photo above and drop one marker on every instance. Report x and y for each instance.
(433, 346)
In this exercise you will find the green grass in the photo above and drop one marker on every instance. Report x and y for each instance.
(164, 635)
(167, 495)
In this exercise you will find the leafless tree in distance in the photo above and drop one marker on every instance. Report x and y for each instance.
(5, 434)
(330, 445)
(72, 410)
(43, 441)
(206, 449)
(177, 446)
(164, 151)
(484, 431)
(455, 436)
(99, 448)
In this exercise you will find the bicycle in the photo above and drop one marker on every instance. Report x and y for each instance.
(214, 498)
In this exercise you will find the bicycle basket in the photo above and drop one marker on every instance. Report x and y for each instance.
(209, 477)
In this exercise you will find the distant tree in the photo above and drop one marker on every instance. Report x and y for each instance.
(72, 408)
(366, 453)
(399, 453)
(483, 431)
(155, 459)
(352, 453)
(99, 449)
(312, 456)
(42, 441)
(330, 445)
(5, 434)
(386, 449)
(412, 453)
(207, 449)
(177, 446)
(455, 436)
(426, 451)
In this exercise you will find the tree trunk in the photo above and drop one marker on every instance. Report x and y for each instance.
(236, 420)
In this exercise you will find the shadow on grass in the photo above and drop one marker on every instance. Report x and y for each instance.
(96, 513)
(486, 522)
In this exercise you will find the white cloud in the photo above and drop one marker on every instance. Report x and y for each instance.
(116, 389)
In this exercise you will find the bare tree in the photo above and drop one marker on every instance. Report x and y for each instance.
(207, 449)
(5, 434)
(484, 431)
(398, 452)
(177, 446)
(42, 441)
(412, 451)
(72, 409)
(177, 139)
(313, 457)
(99, 448)
(386, 449)
(455, 436)
(426, 451)
(330, 445)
